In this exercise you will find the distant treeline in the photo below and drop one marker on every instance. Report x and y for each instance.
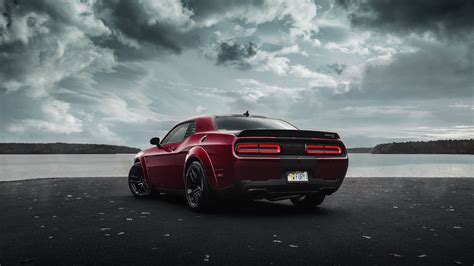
(430, 147)
(63, 148)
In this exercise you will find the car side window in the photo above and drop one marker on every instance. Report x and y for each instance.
(191, 129)
(177, 134)
(180, 132)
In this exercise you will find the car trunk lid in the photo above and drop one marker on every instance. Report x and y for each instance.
(287, 133)
(288, 143)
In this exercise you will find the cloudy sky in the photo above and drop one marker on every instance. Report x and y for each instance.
(120, 72)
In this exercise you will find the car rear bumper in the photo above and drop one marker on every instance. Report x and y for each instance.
(279, 188)
(262, 169)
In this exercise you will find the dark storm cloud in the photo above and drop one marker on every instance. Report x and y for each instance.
(43, 42)
(334, 68)
(203, 9)
(152, 26)
(433, 72)
(234, 54)
(139, 23)
(54, 53)
(436, 68)
(442, 17)
(100, 71)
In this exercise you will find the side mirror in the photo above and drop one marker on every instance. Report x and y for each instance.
(155, 141)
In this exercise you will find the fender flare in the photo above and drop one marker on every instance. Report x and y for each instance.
(140, 157)
(199, 154)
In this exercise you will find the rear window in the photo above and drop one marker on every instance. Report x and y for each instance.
(242, 123)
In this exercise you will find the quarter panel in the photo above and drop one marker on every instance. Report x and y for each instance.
(215, 153)
(198, 153)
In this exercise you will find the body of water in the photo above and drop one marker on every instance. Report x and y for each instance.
(18, 167)
(410, 165)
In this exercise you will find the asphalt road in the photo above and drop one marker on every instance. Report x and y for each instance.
(368, 221)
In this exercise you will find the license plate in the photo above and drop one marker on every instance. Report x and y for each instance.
(297, 176)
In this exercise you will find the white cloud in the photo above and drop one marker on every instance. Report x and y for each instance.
(167, 11)
(349, 48)
(293, 49)
(265, 61)
(274, 62)
(239, 32)
(200, 109)
(103, 134)
(52, 49)
(57, 120)
(318, 80)
(298, 14)
(73, 52)
(116, 108)
(315, 43)
(254, 91)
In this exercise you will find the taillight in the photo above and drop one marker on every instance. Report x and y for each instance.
(323, 149)
(255, 148)
(247, 148)
(269, 148)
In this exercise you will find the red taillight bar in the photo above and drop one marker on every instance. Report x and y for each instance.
(323, 149)
(269, 148)
(247, 148)
(258, 148)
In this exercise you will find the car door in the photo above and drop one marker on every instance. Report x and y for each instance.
(161, 165)
(177, 181)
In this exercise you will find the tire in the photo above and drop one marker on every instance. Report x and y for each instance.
(137, 182)
(197, 191)
(308, 201)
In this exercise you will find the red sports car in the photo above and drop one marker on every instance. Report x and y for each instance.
(209, 158)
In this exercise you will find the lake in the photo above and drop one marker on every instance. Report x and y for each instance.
(410, 165)
(18, 167)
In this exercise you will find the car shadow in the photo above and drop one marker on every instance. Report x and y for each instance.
(269, 208)
(257, 208)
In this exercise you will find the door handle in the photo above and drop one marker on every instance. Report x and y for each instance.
(173, 149)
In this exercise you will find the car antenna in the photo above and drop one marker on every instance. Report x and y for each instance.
(246, 114)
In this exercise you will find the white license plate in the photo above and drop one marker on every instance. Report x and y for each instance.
(297, 176)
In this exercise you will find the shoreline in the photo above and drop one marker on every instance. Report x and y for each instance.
(368, 221)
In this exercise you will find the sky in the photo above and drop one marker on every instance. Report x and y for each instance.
(121, 72)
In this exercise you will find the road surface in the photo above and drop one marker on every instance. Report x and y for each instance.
(368, 221)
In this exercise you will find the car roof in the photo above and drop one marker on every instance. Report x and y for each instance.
(240, 115)
(206, 122)
(224, 115)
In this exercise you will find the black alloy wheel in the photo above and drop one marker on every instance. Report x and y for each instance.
(198, 194)
(137, 182)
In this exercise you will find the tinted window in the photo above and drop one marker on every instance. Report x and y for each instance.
(177, 134)
(191, 129)
(242, 123)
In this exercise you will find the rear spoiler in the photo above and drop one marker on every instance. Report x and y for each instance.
(287, 133)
